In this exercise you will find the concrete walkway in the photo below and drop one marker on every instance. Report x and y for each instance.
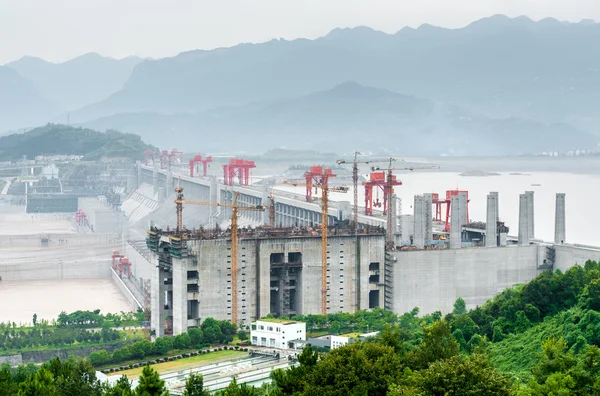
(6, 187)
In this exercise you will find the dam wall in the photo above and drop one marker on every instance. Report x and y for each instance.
(433, 279)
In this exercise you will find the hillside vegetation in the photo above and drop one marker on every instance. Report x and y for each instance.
(537, 339)
(54, 139)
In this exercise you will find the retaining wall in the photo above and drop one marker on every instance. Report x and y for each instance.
(135, 304)
(433, 280)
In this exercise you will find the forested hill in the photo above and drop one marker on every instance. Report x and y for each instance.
(54, 139)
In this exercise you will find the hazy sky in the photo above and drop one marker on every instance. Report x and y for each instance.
(58, 30)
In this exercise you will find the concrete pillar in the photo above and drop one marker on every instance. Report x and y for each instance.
(131, 183)
(169, 184)
(180, 300)
(427, 216)
(155, 179)
(530, 215)
(559, 220)
(455, 223)
(157, 294)
(419, 227)
(162, 194)
(495, 193)
(393, 205)
(138, 170)
(491, 226)
(523, 220)
(462, 203)
(266, 202)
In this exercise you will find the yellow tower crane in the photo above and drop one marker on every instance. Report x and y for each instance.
(234, 237)
(325, 190)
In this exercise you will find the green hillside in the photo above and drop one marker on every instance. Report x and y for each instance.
(54, 139)
(537, 339)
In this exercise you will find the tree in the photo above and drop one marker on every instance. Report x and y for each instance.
(196, 336)
(242, 335)
(292, 380)
(8, 387)
(233, 389)
(150, 384)
(555, 359)
(356, 369)
(74, 377)
(38, 384)
(163, 345)
(460, 306)
(458, 375)
(99, 358)
(194, 386)
(438, 344)
(182, 341)
(34, 319)
(590, 298)
(211, 330)
(121, 388)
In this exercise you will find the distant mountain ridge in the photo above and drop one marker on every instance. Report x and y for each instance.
(347, 117)
(501, 67)
(78, 82)
(497, 86)
(21, 104)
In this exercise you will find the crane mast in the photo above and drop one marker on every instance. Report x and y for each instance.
(325, 190)
(234, 237)
(389, 191)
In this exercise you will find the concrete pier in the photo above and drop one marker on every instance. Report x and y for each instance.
(169, 184)
(491, 228)
(155, 179)
(530, 215)
(524, 220)
(428, 217)
(419, 227)
(559, 220)
(463, 202)
(455, 225)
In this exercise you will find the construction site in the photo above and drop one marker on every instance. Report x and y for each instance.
(204, 237)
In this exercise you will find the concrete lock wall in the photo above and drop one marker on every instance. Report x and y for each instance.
(566, 256)
(433, 280)
(141, 267)
(348, 283)
(133, 302)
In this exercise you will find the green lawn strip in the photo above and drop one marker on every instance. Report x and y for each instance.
(185, 363)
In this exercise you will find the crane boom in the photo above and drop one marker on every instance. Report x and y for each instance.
(234, 237)
(355, 180)
(324, 233)
(389, 188)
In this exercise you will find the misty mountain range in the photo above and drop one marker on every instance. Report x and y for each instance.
(497, 86)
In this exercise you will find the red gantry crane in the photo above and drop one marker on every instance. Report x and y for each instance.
(355, 163)
(194, 162)
(389, 191)
(239, 167)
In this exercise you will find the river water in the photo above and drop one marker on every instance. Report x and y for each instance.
(582, 190)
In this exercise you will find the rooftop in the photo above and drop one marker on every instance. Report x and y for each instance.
(277, 320)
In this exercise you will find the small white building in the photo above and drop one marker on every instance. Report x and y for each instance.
(341, 340)
(276, 333)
